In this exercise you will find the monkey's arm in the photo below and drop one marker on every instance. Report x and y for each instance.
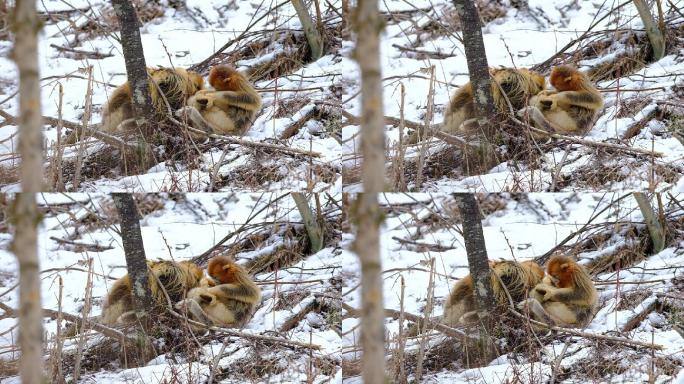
(538, 312)
(250, 101)
(196, 119)
(584, 99)
(191, 307)
(240, 292)
(537, 116)
(551, 293)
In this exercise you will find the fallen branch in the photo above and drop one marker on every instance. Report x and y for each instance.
(451, 139)
(246, 143)
(597, 144)
(90, 247)
(93, 130)
(453, 332)
(638, 317)
(95, 55)
(103, 329)
(434, 129)
(432, 54)
(299, 123)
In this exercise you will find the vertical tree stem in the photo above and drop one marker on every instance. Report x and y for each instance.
(25, 215)
(478, 68)
(655, 230)
(134, 56)
(367, 24)
(312, 35)
(135, 253)
(313, 230)
(654, 34)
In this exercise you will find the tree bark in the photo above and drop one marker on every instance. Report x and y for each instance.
(25, 25)
(25, 215)
(477, 253)
(367, 247)
(313, 229)
(134, 56)
(478, 69)
(655, 35)
(655, 230)
(368, 24)
(135, 253)
(312, 34)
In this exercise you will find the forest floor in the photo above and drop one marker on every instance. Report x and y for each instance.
(79, 41)
(642, 98)
(81, 255)
(639, 291)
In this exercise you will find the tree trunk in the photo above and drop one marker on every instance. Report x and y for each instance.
(655, 230)
(136, 69)
(367, 24)
(655, 36)
(26, 25)
(478, 69)
(26, 217)
(25, 213)
(367, 247)
(313, 230)
(312, 34)
(135, 253)
(478, 264)
(477, 252)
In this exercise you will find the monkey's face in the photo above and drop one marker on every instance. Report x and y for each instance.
(560, 273)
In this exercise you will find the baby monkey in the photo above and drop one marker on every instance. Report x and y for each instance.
(230, 303)
(228, 109)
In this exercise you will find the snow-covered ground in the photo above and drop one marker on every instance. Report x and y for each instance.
(525, 38)
(521, 227)
(181, 227)
(180, 38)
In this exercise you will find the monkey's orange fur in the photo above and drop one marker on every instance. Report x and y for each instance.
(572, 109)
(566, 297)
(561, 270)
(224, 78)
(565, 78)
(228, 304)
(223, 269)
(228, 109)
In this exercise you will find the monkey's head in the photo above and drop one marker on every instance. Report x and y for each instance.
(561, 270)
(567, 78)
(226, 78)
(225, 270)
